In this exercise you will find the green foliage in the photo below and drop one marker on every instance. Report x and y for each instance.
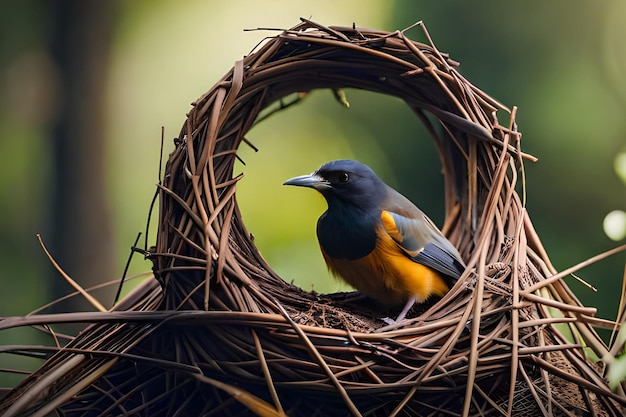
(617, 368)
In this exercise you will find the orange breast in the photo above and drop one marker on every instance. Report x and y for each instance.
(388, 275)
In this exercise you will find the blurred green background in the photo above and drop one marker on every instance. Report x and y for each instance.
(87, 86)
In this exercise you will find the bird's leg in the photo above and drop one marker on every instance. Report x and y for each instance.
(403, 313)
(406, 308)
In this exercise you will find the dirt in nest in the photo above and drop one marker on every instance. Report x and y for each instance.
(351, 310)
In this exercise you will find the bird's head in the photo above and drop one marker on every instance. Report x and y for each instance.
(344, 182)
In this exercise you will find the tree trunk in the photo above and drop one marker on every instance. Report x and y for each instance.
(82, 235)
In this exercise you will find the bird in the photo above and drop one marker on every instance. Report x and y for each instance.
(376, 240)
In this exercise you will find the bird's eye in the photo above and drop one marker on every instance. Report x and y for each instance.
(343, 177)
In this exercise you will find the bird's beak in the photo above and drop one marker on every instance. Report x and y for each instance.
(312, 181)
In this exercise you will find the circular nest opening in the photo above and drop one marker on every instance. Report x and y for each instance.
(223, 334)
(202, 238)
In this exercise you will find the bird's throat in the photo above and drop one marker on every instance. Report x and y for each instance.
(347, 233)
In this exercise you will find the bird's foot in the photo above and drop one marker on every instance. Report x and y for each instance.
(389, 321)
(403, 313)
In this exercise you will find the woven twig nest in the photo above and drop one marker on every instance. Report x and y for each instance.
(222, 334)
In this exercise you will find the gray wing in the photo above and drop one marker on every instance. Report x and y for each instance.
(418, 236)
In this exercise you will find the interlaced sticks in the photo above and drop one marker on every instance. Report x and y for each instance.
(481, 320)
(248, 342)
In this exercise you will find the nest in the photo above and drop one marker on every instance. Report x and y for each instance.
(218, 332)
